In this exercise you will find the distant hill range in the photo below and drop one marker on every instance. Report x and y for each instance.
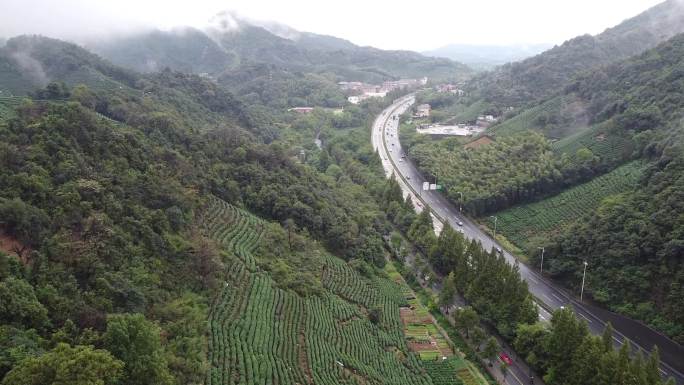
(485, 57)
(232, 42)
(547, 73)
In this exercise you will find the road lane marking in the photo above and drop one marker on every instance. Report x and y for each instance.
(557, 297)
(516, 377)
(583, 316)
(617, 340)
(533, 280)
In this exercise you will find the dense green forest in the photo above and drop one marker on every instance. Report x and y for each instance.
(127, 217)
(100, 194)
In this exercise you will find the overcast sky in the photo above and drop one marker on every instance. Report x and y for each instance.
(416, 25)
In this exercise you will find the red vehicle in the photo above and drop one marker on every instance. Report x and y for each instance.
(505, 358)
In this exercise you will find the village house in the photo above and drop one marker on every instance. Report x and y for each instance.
(422, 111)
(301, 110)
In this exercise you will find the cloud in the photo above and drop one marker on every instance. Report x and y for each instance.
(382, 23)
(30, 67)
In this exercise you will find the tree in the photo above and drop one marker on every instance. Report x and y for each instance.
(422, 232)
(290, 226)
(375, 315)
(529, 343)
(19, 305)
(491, 349)
(66, 365)
(446, 296)
(583, 363)
(466, 318)
(478, 336)
(448, 250)
(607, 338)
(136, 341)
(652, 367)
(567, 334)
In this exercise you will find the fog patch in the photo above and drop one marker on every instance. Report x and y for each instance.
(30, 67)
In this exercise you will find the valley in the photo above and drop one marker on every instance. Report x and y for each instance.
(188, 199)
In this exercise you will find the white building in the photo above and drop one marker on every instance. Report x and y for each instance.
(422, 111)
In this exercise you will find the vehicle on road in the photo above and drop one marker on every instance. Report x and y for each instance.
(460, 223)
(498, 250)
(408, 177)
(505, 358)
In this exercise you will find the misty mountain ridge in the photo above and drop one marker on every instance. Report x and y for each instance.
(230, 42)
(545, 74)
(31, 62)
(486, 57)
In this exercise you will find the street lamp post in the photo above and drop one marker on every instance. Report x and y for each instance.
(460, 202)
(584, 274)
(541, 266)
(495, 220)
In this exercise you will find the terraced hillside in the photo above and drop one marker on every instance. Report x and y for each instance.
(8, 105)
(556, 118)
(236, 229)
(546, 217)
(607, 146)
(261, 333)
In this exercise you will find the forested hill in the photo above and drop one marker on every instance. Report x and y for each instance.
(128, 211)
(31, 62)
(219, 50)
(545, 74)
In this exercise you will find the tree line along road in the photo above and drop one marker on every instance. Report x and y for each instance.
(385, 140)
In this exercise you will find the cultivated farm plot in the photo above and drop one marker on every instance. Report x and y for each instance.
(609, 147)
(453, 370)
(526, 120)
(7, 106)
(436, 354)
(236, 229)
(423, 336)
(262, 334)
(547, 216)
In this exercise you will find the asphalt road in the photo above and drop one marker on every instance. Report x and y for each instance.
(385, 138)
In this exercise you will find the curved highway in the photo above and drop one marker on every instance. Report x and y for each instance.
(385, 139)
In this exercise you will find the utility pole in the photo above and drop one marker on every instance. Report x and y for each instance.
(460, 202)
(495, 220)
(584, 274)
(541, 266)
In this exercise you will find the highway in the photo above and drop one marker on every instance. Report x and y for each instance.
(385, 139)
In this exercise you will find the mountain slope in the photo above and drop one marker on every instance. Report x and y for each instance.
(545, 74)
(30, 62)
(186, 50)
(487, 56)
(240, 42)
